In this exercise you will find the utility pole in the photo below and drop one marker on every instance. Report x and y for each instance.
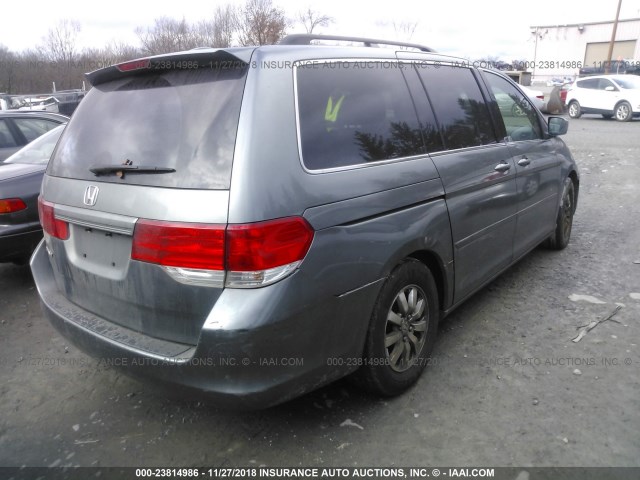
(607, 67)
(535, 54)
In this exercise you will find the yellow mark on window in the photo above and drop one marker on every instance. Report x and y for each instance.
(331, 113)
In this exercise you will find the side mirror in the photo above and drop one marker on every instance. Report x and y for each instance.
(610, 89)
(557, 126)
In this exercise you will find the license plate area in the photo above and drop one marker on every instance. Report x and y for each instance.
(99, 251)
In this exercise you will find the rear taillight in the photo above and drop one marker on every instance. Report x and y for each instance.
(50, 224)
(186, 245)
(240, 256)
(10, 205)
(265, 245)
(541, 97)
(262, 253)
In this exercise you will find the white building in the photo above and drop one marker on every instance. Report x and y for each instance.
(560, 50)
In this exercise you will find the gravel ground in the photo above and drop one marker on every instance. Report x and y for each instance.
(507, 385)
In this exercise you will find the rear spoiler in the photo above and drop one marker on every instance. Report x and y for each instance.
(191, 59)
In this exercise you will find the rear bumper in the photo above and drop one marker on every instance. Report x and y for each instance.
(17, 244)
(262, 360)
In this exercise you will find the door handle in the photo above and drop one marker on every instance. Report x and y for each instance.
(502, 167)
(524, 161)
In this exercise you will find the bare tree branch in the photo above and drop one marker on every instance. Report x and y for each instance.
(167, 35)
(404, 30)
(261, 23)
(59, 44)
(311, 19)
(225, 25)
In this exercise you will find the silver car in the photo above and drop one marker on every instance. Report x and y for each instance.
(257, 222)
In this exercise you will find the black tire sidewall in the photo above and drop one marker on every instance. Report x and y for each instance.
(561, 240)
(380, 377)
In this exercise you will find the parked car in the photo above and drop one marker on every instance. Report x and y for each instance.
(41, 104)
(558, 82)
(563, 92)
(257, 222)
(20, 179)
(19, 128)
(615, 96)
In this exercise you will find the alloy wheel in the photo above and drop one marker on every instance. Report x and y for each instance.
(406, 328)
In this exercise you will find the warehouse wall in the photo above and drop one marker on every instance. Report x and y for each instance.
(562, 49)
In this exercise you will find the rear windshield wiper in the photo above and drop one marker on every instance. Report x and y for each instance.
(120, 170)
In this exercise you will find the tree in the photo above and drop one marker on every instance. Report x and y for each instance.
(225, 26)
(221, 30)
(114, 52)
(167, 35)
(261, 23)
(9, 62)
(59, 44)
(405, 30)
(311, 19)
(59, 49)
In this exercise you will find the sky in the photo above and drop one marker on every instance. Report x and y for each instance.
(471, 29)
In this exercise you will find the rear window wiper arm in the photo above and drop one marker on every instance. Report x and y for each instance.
(120, 170)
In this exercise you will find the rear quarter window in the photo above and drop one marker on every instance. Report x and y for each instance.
(353, 113)
(181, 119)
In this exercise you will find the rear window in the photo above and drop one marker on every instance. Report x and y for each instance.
(352, 113)
(179, 119)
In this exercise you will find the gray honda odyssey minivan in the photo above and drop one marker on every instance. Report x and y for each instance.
(257, 222)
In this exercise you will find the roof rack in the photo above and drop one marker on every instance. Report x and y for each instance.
(307, 38)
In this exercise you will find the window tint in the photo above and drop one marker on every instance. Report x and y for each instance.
(630, 81)
(6, 139)
(430, 131)
(588, 83)
(459, 106)
(520, 118)
(32, 128)
(352, 115)
(604, 83)
(181, 119)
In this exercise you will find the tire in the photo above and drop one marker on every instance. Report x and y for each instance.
(402, 331)
(607, 116)
(564, 221)
(623, 112)
(574, 109)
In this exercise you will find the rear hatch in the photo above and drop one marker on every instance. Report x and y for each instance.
(136, 193)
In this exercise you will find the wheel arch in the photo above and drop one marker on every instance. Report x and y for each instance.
(619, 102)
(434, 263)
(573, 175)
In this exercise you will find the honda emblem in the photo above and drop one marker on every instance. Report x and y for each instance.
(91, 195)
